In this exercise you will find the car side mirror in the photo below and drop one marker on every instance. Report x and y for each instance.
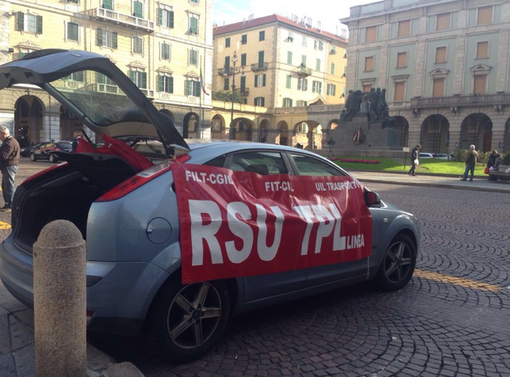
(372, 198)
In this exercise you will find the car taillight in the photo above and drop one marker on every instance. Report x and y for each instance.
(42, 172)
(58, 149)
(138, 180)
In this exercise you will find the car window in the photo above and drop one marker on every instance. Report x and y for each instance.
(262, 162)
(311, 166)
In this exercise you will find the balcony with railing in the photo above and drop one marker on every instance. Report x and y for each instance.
(461, 101)
(245, 92)
(302, 71)
(122, 19)
(258, 67)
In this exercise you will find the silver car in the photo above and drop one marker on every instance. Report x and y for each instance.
(128, 213)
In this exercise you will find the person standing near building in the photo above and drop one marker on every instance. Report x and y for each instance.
(415, 156)
(9, 160)
(471, 158)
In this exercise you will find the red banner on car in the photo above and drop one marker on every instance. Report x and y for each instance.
(235, 224)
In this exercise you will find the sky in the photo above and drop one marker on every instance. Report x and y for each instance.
(328, 12)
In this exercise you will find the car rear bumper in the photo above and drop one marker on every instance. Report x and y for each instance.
(119, 294)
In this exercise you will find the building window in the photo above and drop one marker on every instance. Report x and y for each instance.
(137, 43)
(166, 17)
(404, 28)
(303, 61)
(288, 82)
(262, 35)
(316, 87)
(300, 103)
(259, 101)
(193, 24)
(331, 90)
(194, 1)
(76, 76)
(227, 42)
(289, 57)
(193, 57)
(400, 88)
(304, 41)
(482, 50)
(332, 68)
(243, 60)
(443, 21)
(72, 31)
(226, 83)
(484, 15)
(367, 87)
(371, 34)
(261, 59)
(244, 39)
(139, 78)
(302, 84)
(192, 88)
(107, 4)
(260, 81)
(243, 85)
(318, 45)
(318, 65)
(480, 84)
(106, 38)
(29, 23)
(287, 102)
(401, 59)
(165, 51)
(369, 64)
(165, 84)
(138, 9)
(441, 54)
(438, 87)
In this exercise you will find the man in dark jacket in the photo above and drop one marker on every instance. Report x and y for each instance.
(9, 160)
(414, 159)
(471, 159)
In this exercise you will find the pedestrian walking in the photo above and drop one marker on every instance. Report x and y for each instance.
(9, 160)
(471, 159)
(415, 159)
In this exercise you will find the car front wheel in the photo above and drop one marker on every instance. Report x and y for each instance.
(398, 264)
(32, 157)
(190, 319)
(52, 158)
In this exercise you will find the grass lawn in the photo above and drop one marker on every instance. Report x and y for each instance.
(427, 165)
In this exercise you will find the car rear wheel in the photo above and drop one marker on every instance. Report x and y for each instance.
(398, 264)
(52, 158)
(189, 319)
(32, 157)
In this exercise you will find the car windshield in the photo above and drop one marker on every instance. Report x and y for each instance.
(98, 97)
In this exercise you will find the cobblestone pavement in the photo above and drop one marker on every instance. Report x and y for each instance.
(451, 320)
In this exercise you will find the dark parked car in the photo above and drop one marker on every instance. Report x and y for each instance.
(187, 235)
(25, 151)
(46, 151)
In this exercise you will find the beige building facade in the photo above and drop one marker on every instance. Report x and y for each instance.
(165, 47)
(445, 65)
(283, 70)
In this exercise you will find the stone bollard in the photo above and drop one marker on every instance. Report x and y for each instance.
(60, 318)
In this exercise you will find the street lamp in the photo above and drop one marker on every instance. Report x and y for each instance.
(232, 71)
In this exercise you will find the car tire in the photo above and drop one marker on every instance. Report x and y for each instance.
(52, 158)
(189, 319)
(32, 157)
(398, 264)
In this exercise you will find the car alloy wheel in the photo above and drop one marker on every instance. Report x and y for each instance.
(52, 158)
(398, 264)
(32, 157)
(190, 319)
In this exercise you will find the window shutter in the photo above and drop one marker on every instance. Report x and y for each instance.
(137, 9)
(160, 16)
(196, 89)
(100, 78)
(99, 37)
(255, 81)
(132, 75)
(186, 88)
(261, 58)
(161, 86)
(108, 4)
(38, 25)
(305, 84)
(243, 83)
(264, 79)
(144, 80)
(194, 25)
(243, 59)
(20, 25)
(171, 19)
(170, 85)
(114, 40)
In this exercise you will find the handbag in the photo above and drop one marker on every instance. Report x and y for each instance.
(416, 162)
(486, 171)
